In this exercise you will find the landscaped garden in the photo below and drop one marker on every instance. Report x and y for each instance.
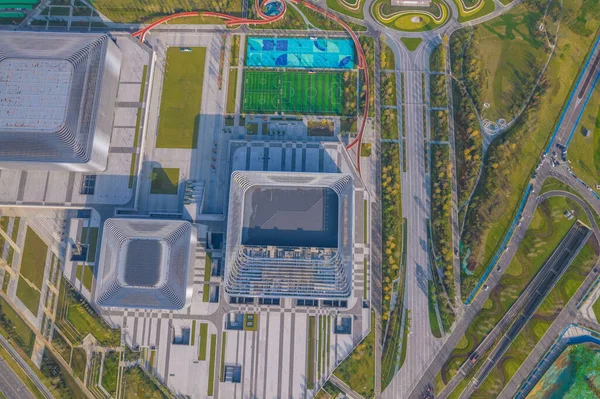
(501, 188)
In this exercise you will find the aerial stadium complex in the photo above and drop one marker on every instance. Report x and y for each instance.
(57, 97)
(146, 264)
(290, 235)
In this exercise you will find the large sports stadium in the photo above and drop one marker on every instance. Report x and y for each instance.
(290, 235)
(57, 95)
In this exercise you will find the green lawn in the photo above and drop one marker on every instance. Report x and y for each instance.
(110, 372)
(547, 228)
(358, 369)
(33, 262)
(539, 323)
(13, 327)
(267, 91)
(165, 181)
(513, 57)
(137, 384)
(411, 19)
(211, 366)
(181, 98)
(310, 352)
(149, 10)
(584, 152)
(58, 378)
(202, 341)
(78, 362)
(29, 295)
(231, 90)
(82, 319)
(501, 189)
(466, 15)
(352, 8)
(596, 308)
(411, 43)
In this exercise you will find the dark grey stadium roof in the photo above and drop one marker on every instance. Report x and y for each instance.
(146, 264)
(290, 216)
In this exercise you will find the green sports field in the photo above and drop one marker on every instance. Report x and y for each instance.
(292, 92)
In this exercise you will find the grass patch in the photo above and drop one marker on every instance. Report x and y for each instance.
(437, 59)
(223, 343)
(12, 326)
(211, 369)
(310, 353)
(438, 91)
(110, 372)
(33, 261)
(89, 235)
(202, 341)
(439, 125)
(165, 181)
(78, 362)
(389, 123)
(76, 318)
(466, 15)
(411, 43)
(388, 88)
(251, 322)
(232, 90)
(181, 98)
(433, 320)
(365, 150)
(29, 296)
(58, 378)
(136, 383)
(358, 369)
(351, 8)
(387, 59)
(129, 11)
(62, 346)
(584, 151)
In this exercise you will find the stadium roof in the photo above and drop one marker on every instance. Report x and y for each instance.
(146, 263)
(289, 235)
(57, 97)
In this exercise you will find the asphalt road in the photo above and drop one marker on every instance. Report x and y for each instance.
(11, 385)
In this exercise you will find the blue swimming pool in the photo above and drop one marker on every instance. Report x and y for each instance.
(300, 53)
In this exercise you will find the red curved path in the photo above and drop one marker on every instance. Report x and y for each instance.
(265, 19)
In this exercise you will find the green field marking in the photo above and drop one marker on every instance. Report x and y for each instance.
(232, 90)
(12, 326)
(310, 353)
(165, 181)
(33, 260)
(211, 367)
(267, 91)
(193, 333)
(202, 341)
(411, 43)
(223, 342)
(181, 98)
(29, 295)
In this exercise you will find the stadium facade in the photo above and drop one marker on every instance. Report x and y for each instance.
(146, 264)
(289, 235)
(57, 99)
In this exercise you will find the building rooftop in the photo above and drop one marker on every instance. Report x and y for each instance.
(146, 263)
(57, 98)
(289, 235)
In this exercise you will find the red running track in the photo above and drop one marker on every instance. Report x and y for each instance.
(265, 19)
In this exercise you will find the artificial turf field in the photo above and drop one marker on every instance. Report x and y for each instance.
(267, 91)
